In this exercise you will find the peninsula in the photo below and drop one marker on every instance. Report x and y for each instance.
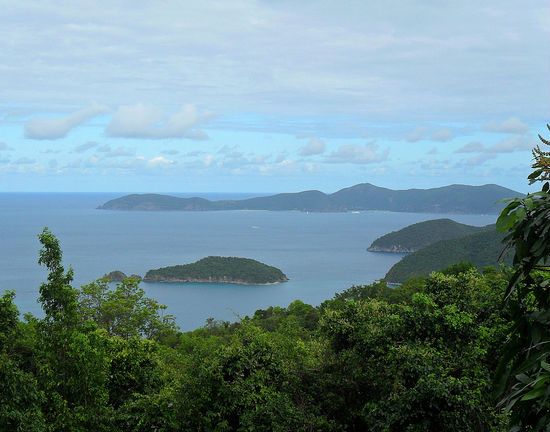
(421, 234)
(244, 271)
(482, 249)
(460, 199)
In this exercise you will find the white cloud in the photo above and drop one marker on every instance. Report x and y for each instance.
(417, 134)
(3, 146)
(442, 135)
(143, 121)
(314, 146)
(511, 125)
(355, 153)
(159, 161)
(480, 158)
(471, 147)
(512, 144)
(48, 128)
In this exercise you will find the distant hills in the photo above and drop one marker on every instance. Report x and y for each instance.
(419, 235)
(482, 249)
(365, 196)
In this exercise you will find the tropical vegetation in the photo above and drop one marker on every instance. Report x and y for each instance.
(458, 350)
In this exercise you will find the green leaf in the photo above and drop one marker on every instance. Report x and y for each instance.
(534, 394)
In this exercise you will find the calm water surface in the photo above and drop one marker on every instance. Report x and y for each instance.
(321, 253)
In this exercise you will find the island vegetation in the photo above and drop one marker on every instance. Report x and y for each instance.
(482, 250)
(221, 270)
(421, 234)
(365, 196)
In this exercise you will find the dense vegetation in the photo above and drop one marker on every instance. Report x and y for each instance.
(419, 357)
(421, 234)
(365, 196)
(442, 353)
(219, 269)
(482, 249)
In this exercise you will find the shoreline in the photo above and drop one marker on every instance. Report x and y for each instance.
(235, 282)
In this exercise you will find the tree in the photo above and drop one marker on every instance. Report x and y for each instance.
(124, 311)
(73, 368)
(523, 377)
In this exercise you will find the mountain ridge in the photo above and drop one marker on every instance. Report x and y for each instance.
(456, 198)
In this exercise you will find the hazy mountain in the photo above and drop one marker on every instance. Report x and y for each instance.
(364, 196)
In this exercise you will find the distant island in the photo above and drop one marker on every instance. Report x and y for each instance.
(117, 276)
(421, 234)
(481, 249)
(461, 199)
(217, 269)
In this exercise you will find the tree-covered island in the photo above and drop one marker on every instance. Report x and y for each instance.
(218, 269)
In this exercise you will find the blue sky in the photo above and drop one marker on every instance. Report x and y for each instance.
(270, 96)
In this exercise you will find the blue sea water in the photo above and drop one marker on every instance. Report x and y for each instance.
(321, 253)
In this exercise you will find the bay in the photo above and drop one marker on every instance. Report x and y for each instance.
(321, 253)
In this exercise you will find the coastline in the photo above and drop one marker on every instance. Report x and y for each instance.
(214, 281)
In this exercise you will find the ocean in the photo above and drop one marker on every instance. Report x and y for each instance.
(321, 253)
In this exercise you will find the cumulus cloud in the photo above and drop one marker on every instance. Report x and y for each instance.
(355, 153)
(512, 144)
(143, 121)
(417, 134)
(507, 145)
(48, 128)
(3, 146)
(314, 146)
(471, 147)
(84, 147)
(442, 135)
(480, 158)
(511, 125)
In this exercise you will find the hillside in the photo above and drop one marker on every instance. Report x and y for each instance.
(418, 235)
(365, 196)
(219, 269)
(482, 249)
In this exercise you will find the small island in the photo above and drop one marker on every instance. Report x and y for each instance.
(216, 269)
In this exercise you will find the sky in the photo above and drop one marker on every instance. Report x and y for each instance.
(270, 96)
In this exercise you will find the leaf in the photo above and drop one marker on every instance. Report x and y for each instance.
(505, 222)
(534, 394)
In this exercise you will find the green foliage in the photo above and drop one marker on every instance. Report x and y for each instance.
(422, 366)
(524, 374)
(124, 311)
(419, 235)
(221, 269)
(57, 296)
(417, 357)
(482, 249)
